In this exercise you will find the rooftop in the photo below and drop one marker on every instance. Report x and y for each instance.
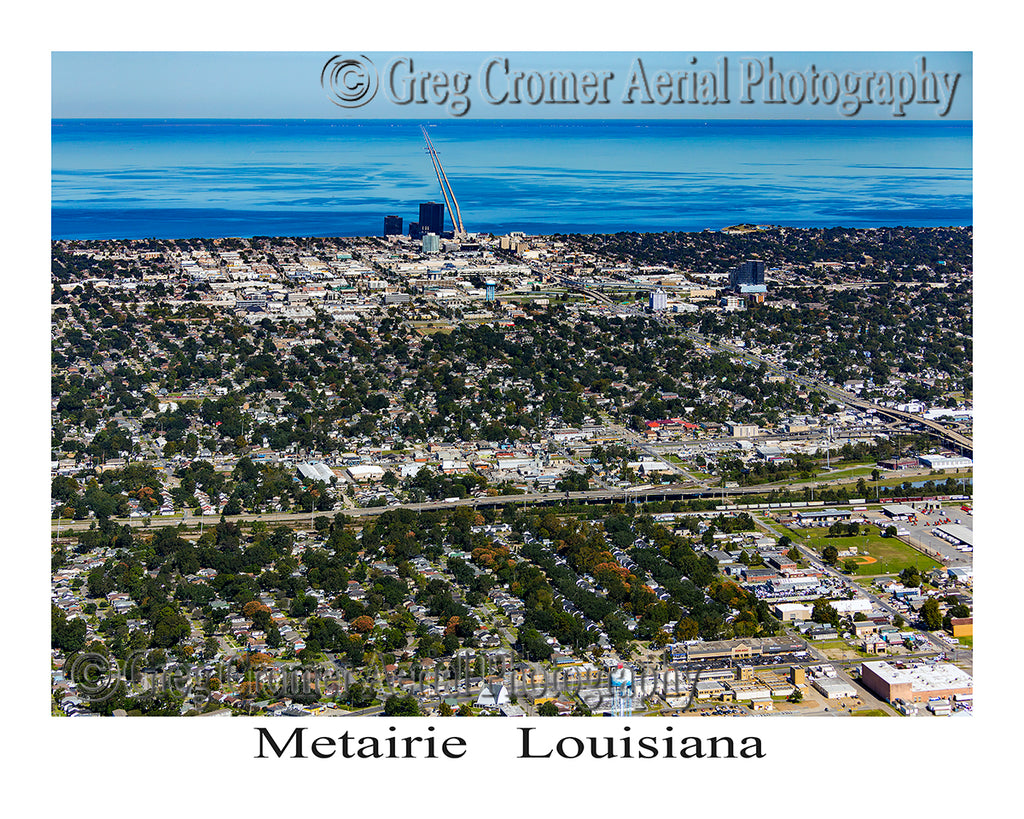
(922, 676)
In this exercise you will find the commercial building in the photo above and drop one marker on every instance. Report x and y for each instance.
(833, 688)
(748, 273)
(315, 471)
(658, 300)
(392, 225)
(431, 243)
(787, 612)
(899, 511)
(794, 584)
(851, 606)
(945, 462)
(360, 474)
(760, 648)
(819, 517)
(898, 463)
(432, 218)
(915, 682)
(956, 533)
(741, 430)
(744, 690)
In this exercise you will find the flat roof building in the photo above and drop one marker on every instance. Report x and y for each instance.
(833, 688)
(899, 511)
(945, 462)
(956, 533)
(368, 472)
(793, 611)
(751, 647)
(851, 606)
(915, 682)
(315, 471)
(823, 516)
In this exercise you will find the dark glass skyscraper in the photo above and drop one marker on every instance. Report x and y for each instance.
(750, 272)
(392, 225)
(432, 218)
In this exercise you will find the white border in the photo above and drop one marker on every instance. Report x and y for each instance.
(160, 767)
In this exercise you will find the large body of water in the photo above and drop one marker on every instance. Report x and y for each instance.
(196, 178)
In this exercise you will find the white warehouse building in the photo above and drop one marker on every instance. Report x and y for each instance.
(851, 606)
(316, 471)
(945, 462)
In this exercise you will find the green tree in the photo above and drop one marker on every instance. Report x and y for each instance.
(401, 706)
(830, 554)
(955, 612)
(910, 578)
(850, 566)
(931, 615)
(823, 612)
(686, 629)
(358, 695)
(548, 709)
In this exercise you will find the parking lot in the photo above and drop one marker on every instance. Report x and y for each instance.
(921, 534)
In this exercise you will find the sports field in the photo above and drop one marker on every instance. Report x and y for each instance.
(889, 555)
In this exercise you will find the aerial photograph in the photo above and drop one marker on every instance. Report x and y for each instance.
(416, 395)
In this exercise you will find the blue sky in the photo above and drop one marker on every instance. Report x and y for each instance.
(288, 84)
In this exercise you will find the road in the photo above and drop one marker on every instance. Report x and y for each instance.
(813, 560)
(952, 437)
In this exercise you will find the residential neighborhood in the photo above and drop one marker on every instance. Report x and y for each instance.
(515, 475)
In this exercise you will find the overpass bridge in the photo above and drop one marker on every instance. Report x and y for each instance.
(951, 437)
(961, 442)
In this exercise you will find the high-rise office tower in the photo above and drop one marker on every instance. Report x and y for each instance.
(432, 217)
(747, 273)
(392, 225)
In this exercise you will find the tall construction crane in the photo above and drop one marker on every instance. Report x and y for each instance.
(446, 189)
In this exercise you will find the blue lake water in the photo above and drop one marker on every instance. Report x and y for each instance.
(942, 479)
(188, 178)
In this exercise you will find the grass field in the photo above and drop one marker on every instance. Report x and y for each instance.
(842, 472)
(869, 712)
(939, 478)
(427, 328)
(891, 554)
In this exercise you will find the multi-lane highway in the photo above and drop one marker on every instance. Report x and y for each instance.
(952, 437)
